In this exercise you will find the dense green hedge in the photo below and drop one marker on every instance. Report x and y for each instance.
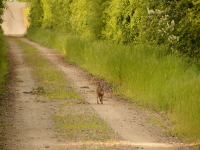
(87, 17)
(174, 23)
(122, 20)
(36, 13)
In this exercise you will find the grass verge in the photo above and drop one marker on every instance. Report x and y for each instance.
(4, 70)
(3, 64)
(75, 119)
(142, 73)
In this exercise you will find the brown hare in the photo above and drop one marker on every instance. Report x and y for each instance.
(100, 93)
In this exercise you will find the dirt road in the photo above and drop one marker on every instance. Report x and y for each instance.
(13, 21)
(32, 125)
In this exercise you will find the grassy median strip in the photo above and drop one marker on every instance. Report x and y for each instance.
(75, 119)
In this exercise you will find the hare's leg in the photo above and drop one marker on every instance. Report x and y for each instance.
(101, 99)
(97, 99)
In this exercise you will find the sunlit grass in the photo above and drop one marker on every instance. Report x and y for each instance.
(25, 12)
(82, 124)
(142, 73)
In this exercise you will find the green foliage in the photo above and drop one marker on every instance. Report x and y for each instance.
(83, 17)
(174, 23)
(36, 13)
(1, 9)
(61, 23)
(48, 14)
(87, 17)
(54, 18)
(189, 30)
(122, 20)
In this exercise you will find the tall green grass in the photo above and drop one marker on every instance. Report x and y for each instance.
(3, 89)
(3, 63)
(142, 73)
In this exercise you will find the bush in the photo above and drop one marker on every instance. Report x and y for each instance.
(87, 17)
(122, 21)
(36, 13)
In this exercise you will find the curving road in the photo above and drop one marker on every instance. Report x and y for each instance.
(13, 21)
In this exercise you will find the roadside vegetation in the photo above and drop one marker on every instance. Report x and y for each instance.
(75, 119)
(3, 54)
(3, 63)
(3, 80)
(149, 51)
(3, 87)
